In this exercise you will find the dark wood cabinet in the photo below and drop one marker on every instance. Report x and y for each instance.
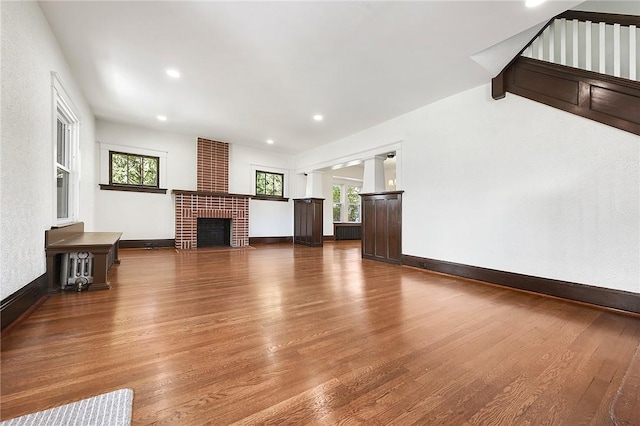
(307, 221)
(382, 226)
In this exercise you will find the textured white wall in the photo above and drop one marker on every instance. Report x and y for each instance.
(516, 186)
(151, 216)
(29, 54)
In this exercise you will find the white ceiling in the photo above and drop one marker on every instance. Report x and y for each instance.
(253, 71)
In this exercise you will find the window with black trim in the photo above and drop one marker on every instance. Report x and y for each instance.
(269, 184)
(134, 170)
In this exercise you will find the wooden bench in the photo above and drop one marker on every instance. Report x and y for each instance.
(72, 238)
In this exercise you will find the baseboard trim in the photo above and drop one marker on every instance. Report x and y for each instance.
(150, 244)
(22, 302)
(608, 298)
(269, 240)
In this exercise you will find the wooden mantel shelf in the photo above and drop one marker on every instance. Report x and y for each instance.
(209, 194)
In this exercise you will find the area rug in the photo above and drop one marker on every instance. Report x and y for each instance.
(108, 409)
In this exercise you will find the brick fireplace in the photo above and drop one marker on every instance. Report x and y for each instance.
(212, 198)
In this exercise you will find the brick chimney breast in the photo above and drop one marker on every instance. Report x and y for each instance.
(213, 166)
(212, 199)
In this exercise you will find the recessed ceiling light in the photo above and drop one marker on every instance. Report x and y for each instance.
(270, 141)
(533, 3)
(162, 118)
(173, 73)
(318, 117)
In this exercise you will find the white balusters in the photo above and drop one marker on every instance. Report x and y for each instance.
(616, 50)
(563, 41)
(575, 46)
(566, 42)
(540, 49)
(587, 31)
(633, 52)
(552, 42)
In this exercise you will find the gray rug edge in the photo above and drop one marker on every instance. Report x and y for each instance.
(108, 409)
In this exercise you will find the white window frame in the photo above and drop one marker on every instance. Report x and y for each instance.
(347, 204)
(344, 202)
(341, 202)
(63, 107)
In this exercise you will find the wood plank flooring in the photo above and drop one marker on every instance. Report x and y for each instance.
(277, 334)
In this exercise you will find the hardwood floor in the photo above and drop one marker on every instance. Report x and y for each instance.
(278, 334)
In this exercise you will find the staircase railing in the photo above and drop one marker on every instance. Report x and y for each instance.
(584, 63)
(605, 43)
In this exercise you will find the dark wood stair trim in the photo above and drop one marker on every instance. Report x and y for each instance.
(609, 100)
(596, 17)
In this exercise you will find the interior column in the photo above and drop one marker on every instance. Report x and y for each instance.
(314, 185)
(373, 178)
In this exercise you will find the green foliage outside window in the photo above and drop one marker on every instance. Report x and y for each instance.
(353, 201)
(135, 170)
(337, 203)
(354, 213)
(337, 210)
(336, 193)
(350, 201)
(269, 184)
(352, 195)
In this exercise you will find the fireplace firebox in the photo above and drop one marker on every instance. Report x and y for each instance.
(214, 232)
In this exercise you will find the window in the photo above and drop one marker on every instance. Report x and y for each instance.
(346, 203)
(133, 170)
(63, 166)
(337, 203)
(269, 184)
(353, 203)
(65, 153)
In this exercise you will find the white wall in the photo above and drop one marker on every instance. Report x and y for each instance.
(143, 215)
(151, 216)
(266, 218)
(29, 54)
(514, 185)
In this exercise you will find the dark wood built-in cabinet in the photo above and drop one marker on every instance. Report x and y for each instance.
(307, 221)
(382, 226)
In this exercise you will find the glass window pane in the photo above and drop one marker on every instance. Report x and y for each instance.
(62, 144)
(130, 169)
(352, 194)
(336, 193)
(62, 178)
(269, 187)
(354, 213)
(271, 184)
(118, 168)
(134, 170)
(337, 209)
(150, 168)
(277, 185)
(260, 183)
